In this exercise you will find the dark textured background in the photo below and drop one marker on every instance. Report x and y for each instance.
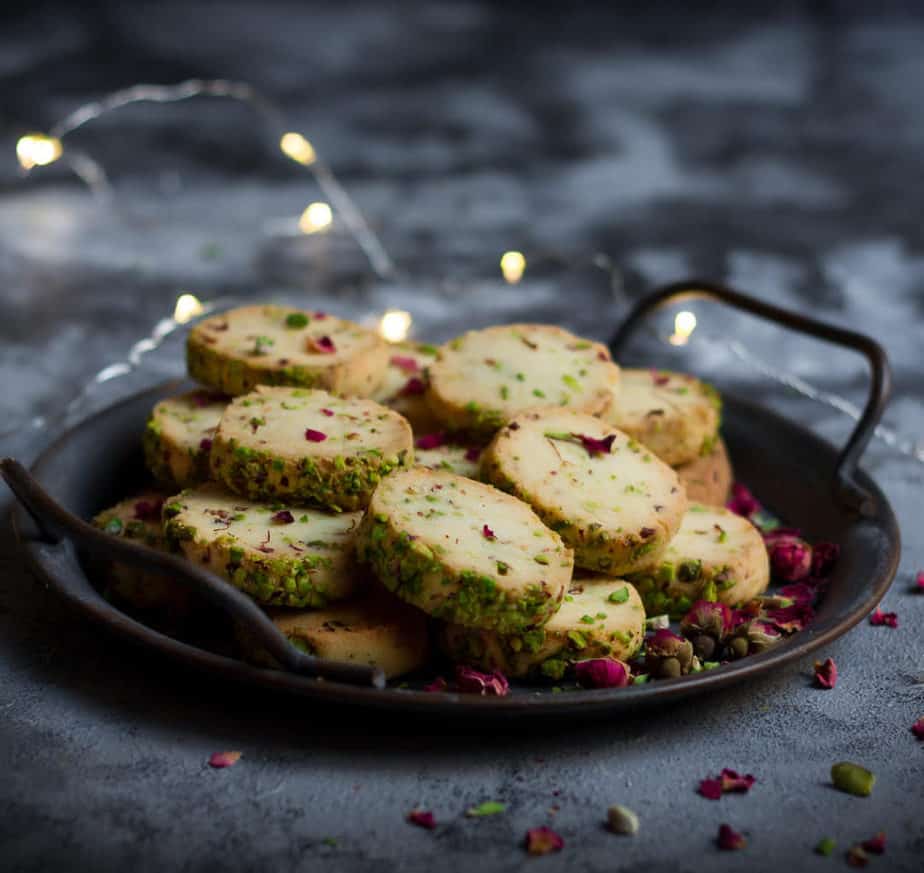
(780, 152)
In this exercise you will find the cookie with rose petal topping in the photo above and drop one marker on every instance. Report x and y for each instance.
(404, 385)
(463, 551)
(484, 378)
(308, 446)
(178, 437)
(608, 496)
(600, 617)
(284, 556)
(708, 478)
(677, 416)
(375, 629)
(716, 555)
(138, 518)
(275, 345)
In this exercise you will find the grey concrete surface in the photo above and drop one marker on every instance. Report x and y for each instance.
(779, 152)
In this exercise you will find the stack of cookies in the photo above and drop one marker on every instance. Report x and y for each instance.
(512, 493)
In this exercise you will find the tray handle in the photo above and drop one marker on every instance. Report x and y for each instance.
(55, 524)
(845, 487)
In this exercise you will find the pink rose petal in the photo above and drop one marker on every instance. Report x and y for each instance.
(149, 510)
(322, 345)
(887, 619)
(790, 619)
(472, 454)
(875, 845)
(732, 783)
(826, 673)
(471, 681)
(405, 364)
(207, 398)
(487, 533)
(542, 841)
(327, 412)
(595, 446)
(790, 558)
(918, 728)
(601, 673)
(729, 839)
(711, 789)
(799, 592)
(220, 760)
(660, 378)
(431, 440)
(315, 436)
(413, 387)
(283, 517)
(742, 502)
(423, 819)
(919, 581)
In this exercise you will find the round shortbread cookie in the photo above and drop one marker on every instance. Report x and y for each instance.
(278, 555)
(308, 446)
(275, 345)
(611, 500)
(436, 452)
(484, 378)
(716, 555)
(677, 416)
(709, 478)
(405, 383)
(138, 518)
(600, 617)
(377, 629)
(463, 551)
(178, 437)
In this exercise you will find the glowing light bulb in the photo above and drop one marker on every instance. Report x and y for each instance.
(296, 147)
(38, 150)
(684, 325)
(316, 218)
(395, 325)
(512, 265)
(187, 308)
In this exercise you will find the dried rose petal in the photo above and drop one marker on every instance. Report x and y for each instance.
(406, 364)
(283, 517)
(919, 581)
(220, 760)
(660, 378)
(879, 618)
(471, 681)
(711, 789)
(746, 613)
(322, 345)
(487, 533)
(431, 440)
(793, 618)
(422, 819)
(761, 635)
(438, 684)
(542, 841)
(732, 783)
(875, 845)
(707, 617)
(824, 557)
(320, 316)
(327, 412)
(472, 454)
(729, 839)
(790, 558)
(601, 673)
(315, 436)
(918, 728)
(206, 398)
(595, 446)
(826, 673)
(742, 502)
(205, 444)
(413, 387)
(149, 510)
(799, 592)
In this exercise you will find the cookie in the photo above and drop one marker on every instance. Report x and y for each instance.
(377, 629)
(404, 385)
(138, 519)
(278, 555)
(308, 446)
(484, 378)
(463, 551)
(709, 478)
(436, 451)
(276, 345)
(178, 437)
(608, 496)
(601, 617)
(677, 416)
(716, 555)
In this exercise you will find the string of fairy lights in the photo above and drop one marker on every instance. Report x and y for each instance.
(37, 149)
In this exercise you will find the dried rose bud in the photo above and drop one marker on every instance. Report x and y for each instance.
(790, 558)
(742, 501)
(668, 655)
(542, 841)
(709, 618)
(729, 839)
(761, 635)
(824, 557)
(852, 778)
(471, 681)
(601, 673)
(826, 673)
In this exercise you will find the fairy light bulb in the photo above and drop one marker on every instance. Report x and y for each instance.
(684, 325)
(296, 147)
(512, 265)
(316, 218)
(38, 150)
(188, 307)
(395, 325)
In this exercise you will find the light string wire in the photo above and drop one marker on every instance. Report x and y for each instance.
(513, 264)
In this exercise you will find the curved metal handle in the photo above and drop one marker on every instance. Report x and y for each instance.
(880, 373)
(56, 523)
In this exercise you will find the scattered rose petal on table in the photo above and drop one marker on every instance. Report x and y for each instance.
(543, 840)
(422, 818)
(729, 839)
(918, 728)
(727, 782)
(220, 760)
(878, 618)
(875, 845)
(919, 581)
(826, 673)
